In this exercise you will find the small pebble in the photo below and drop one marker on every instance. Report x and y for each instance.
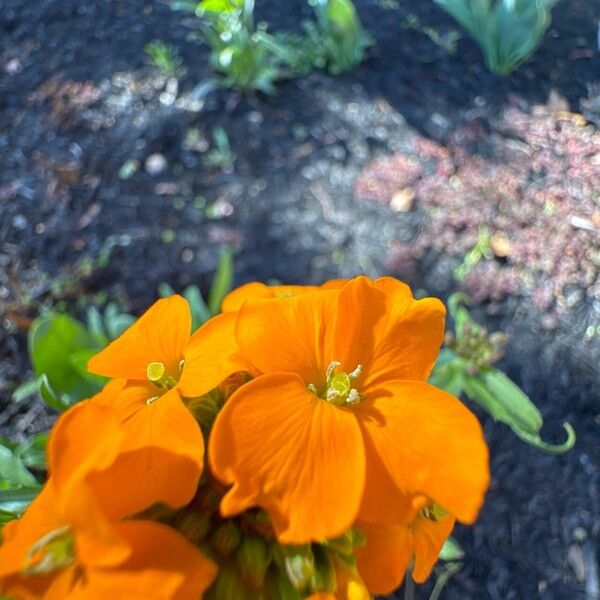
(155, 164)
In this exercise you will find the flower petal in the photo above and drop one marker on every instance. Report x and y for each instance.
(296, 456)
(39, 519)
(429, 443)
(383, 560)
(382, 501)
(87, 437)
(287, 334)
(162, 565)
(429, 537)
(211, 355)
(159, 335)
(259, 291)
(161, 459)
(394, 336)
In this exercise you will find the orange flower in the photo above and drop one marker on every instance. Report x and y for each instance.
(383, 561)
(92, 443)
(339, 423)
(64, 549)
(157, 364)
(260, 291)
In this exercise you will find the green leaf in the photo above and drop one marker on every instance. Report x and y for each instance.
(50, 397)
(5, 517)
(222, 282)
(95, 327)
(13, 473)
(25, 390)
(198, 308)
(116, 322)
(343, 14)
(220, 6)
(508, 32)
(52, 339)
(165, 290)
(33, 452)
(16, 501)
(79, 359)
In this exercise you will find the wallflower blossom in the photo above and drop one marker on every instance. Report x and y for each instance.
(72, 542)
(339, 416)
(91, 443)
(389, 549)
(63, 548)
(156, 364)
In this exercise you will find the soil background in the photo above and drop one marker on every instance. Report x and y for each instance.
(84, 217)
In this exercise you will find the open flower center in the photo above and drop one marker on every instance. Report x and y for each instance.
(434, 512)
(157, 374)
(339, 388)
(55, 550)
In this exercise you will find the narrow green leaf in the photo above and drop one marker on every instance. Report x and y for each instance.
(116, 322)
(16, 501)
(49, 396)
(25, 390)
(165, 290)
(222, 281)
(95, 327)
(198, 308)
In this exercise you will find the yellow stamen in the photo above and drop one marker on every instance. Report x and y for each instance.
(55, 550)
(338, 387)
(434, 512)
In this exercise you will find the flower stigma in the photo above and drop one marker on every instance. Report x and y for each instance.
(156, 372)
(338, 387)
(55, 550)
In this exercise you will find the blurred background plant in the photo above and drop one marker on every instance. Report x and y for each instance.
(243, 54)
(337, 36)
(465, 368)
(247, 57)
(165, 58)
(508, 31)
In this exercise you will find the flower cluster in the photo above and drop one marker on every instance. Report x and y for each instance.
(289, 448)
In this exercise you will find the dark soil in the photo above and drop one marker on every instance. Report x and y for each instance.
(78, 102)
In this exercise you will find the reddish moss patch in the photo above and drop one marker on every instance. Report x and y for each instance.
(532, 184)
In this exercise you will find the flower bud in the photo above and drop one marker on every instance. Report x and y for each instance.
(252, 560)
(225, 539)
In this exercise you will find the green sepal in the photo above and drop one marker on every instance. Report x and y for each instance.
(252, 559)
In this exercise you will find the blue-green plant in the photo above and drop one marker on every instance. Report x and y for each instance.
(508, 31)
(337, 36)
